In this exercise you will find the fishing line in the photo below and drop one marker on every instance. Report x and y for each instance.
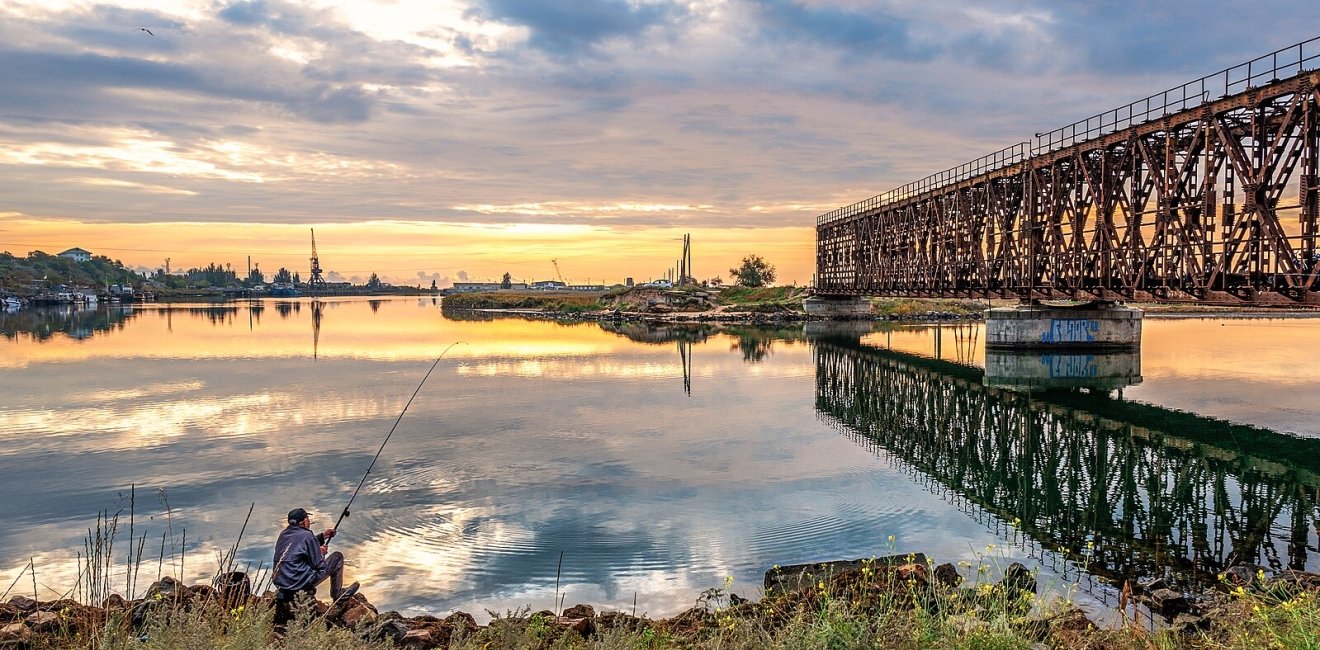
(344, 514)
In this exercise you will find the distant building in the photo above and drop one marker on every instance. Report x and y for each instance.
(77, 255)
(548, 285)
(471, 287)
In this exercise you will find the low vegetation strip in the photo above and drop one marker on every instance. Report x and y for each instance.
(550, 302)
(638, 299)
(891, 602)
(906, 308)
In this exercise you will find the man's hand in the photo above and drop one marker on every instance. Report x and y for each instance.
(324, 549)
(329, 532)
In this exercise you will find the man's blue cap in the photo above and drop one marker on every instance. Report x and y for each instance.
(296, 515)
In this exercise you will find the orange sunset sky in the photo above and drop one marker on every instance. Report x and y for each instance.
(462, 139)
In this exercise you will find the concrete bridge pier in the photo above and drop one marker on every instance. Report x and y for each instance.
(837, 306)
(1097, 325)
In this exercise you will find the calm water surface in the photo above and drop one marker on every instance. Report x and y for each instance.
(658, 461)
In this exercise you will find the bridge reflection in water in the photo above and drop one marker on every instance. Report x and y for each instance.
(1121, 489)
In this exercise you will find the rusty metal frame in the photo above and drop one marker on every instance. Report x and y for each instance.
(1175, 198)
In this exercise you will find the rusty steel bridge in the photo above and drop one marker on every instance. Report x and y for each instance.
(1206, 192)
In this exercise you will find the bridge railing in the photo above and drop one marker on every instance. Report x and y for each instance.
(1265, 69)
(1003, 158)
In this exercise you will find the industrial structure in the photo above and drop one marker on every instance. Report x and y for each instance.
(315, 280)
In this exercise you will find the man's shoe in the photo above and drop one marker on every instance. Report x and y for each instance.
(348, 591)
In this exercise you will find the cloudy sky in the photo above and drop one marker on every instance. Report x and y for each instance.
(426, 139)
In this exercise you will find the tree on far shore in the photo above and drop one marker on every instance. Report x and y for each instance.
(754, 272)
(507, 281)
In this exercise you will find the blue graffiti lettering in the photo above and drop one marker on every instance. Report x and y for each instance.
(1070, 365)
(1071, 330)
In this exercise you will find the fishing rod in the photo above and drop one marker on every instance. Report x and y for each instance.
(344, 514)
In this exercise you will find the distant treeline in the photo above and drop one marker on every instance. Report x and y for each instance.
(27, 275)
(22, 274)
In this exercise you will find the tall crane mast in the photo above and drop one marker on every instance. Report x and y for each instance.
(316, 279)
(557, 273)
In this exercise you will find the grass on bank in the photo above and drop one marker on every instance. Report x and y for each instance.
(915, 307)
(759, 299)
(880, 606)
(553, 302)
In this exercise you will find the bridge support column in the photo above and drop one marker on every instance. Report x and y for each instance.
(837, 307)
(1090, 326)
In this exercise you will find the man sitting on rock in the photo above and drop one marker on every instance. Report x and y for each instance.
(301, 563)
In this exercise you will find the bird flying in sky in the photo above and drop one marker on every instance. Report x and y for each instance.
(144, 29)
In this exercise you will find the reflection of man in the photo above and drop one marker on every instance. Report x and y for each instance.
(301, 563)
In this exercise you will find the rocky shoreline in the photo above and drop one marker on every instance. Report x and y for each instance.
(899, 582)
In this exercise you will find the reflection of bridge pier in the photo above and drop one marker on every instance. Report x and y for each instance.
(1123, 489)
(1040, 370)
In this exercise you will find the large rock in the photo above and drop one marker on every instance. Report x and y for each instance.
(911, 572)
(169, 591)
(1018, 580)
(1071, 629)
(620, 620)
(14, 635)
(582, 626)
(580, 611)
(392, 629)
(1299, 580)
(358, 614)
(421, 638)
(1190, 624)
(1242, 575)
(795, 577)
(23, 604)
(234, 588)
(947, 574)
(1168, 602)
(43, 622)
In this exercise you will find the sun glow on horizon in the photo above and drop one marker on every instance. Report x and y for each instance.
(412, 253)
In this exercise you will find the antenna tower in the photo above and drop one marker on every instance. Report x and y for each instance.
(316, 280)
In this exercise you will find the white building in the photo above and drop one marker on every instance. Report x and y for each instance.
(469, 287)
(77, 255)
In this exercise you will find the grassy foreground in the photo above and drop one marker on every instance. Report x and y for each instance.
(875, 605)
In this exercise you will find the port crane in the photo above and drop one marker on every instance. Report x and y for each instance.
(316, 280)
(557, 273)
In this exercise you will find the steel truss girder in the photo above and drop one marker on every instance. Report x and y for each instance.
(1192, 207)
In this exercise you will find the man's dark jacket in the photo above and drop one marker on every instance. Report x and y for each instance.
(298, 558)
